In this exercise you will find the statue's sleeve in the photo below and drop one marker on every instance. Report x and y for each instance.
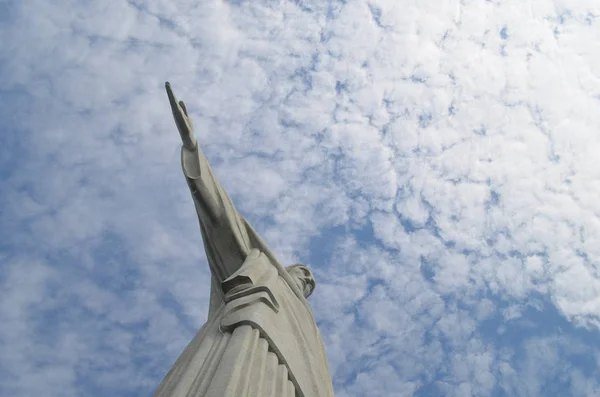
(223, 228)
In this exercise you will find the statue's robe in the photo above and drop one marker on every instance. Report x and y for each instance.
(260, 338)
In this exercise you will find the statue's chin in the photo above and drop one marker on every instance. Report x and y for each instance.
(307, 292)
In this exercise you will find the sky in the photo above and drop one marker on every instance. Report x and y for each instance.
(433, 162)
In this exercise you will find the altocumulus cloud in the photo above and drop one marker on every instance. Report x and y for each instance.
(435, 162)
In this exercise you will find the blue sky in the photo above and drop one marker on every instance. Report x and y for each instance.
(434, 162)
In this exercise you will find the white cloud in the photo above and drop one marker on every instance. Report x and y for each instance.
(435, 161)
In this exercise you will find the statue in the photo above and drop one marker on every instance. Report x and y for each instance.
(260, 338)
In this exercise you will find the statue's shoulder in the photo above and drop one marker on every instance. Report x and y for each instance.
(255, 270)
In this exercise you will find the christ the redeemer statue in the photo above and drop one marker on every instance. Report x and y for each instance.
(260, 338)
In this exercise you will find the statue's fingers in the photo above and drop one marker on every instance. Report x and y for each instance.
(171, 95)
(183, 107)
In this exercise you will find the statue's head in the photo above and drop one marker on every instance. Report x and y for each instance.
(303, 277)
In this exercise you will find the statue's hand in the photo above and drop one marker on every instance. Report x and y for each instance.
(182, 120)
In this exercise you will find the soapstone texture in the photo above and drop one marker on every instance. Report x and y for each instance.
(260, 338)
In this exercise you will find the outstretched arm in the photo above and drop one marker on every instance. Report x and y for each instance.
(223, 228)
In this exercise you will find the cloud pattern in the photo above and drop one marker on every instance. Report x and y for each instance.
(432, 161)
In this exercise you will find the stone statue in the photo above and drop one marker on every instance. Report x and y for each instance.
(260, 338)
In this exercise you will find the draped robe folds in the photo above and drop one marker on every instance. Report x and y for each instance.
(260, 339)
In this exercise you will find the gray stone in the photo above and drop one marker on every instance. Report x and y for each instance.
(260, 338)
